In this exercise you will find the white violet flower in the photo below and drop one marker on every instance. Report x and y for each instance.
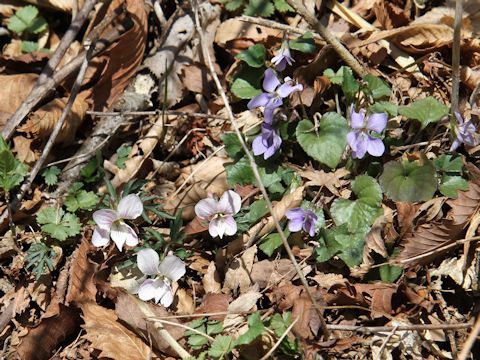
(220, 213)
(110, 223)
(164, 273)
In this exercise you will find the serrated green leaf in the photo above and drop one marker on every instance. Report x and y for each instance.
(214, 327)
(255, 329)
(84, 200)
(12, 171)
(409, 181)
(254, 56)
(359, 214)
(330, 143)
(233, 147)
(29, 46)
(58, 224)
(259, 8)
(450, 185)
(352, 248)
(426, 111)
(221, 346)
(26, 19)
(304, 43)
(384, 106)
(376, 87)
(241, 173)
(38, 25)
(197, 341)
(251, 215)
(51, 175)
(446, 164)
(350, 85)
(390, 273)
(122, 156)
(247, 83)
(335, 77)
(282, 6)
(270, 243)
(233, 5)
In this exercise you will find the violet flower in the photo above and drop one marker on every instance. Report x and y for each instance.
(220, 213)
(465, 133)
(301, 219)
(268, 142)
(360, 139)
(164, 273)
(283, 57)
(275, 91)
(110, 223)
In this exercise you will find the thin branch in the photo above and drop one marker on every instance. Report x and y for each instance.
(155, 112)
(472, 337)
(341, 50)
(35, 95)
(376, 329)
(256, 173)
(457, 31)
(279, 341)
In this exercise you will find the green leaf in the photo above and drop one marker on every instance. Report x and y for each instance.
(232, 145)
(25, 19)
(40, 259)
(221, 346)
(352, 248)
(233, 5)
(197, 341)
(214, 327)
(361, 213)
(51, 175)
(350, 85)
(85, 200)
(328, 146)
(254, 56)
(279, 324)
(335, 77)
(304, 43)
(247, 82)
(241, 173)
(251, 215)
(376, 87)
(38, 25)
(282, 6)
(450, 185)
(255, 329)
(409, 181)
(259, 8)
(384, 106)
(390, 273)
(12, 171)
(446, 164)
(122, 156)
(270, 243)
(428, 110)
(29, 46)
(58, 224)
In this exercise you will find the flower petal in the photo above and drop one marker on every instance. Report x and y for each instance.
(132, 237)
(295, 225)
(258, 146)
(459, 118)
(360, 149)
(130, 207)
(375, 147)
(280, 62)
(172, 267)
(105, 218)
(356, 119)
(148, 261)
(167, 297)
(377, 122)
(270, 82)
(121, 234)
(206, 208)
(217, 227)
(230, 203)
(455, 145)
(100, 237)
(259, 100)
(230, 226)
(152, 289)
(286, 89)
(295, 213)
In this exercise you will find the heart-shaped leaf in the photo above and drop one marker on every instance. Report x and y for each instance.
(428, 110)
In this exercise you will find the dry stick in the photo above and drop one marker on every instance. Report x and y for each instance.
(341, 50)
(457, 29)
(36, 95)
(376, 329)
(254, 167)
(155, 112)
(385, 342)
(472, 337)
(279, 341)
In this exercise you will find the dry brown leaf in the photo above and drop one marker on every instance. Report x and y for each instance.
(214, 303)
(110, 337)
(211, 280)
(390, 15)
(82, 285)
(59, 323)
(267, 272)
(23, 148)
(238, 273)
(331, 180)
(40, 124)
(63, 5)
(243, 304)
(470, 77)
(197, 79)
(431, 236)
(20, 85)
(131, 310)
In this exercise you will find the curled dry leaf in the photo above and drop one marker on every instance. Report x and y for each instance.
(109, 336)
(20, 85)
(238, 310)
(23, 148)
(59, 323)
(40, 124)
(211, 280)
(266, 272)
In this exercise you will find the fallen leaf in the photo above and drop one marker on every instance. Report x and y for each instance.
(211, 280)
(109, 336)
(331, 180)
(20, 85)
(267, 272)
(214, 303)
(23, 148)
(238, 273)
(243, 304)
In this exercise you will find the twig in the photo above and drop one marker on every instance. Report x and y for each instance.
(385, 342)
(254, 167)
(472, 337)
(186, 327)
(376, 329)
(341, 50)
(279, 341)
(457, 30)
(36, 95)
(155, 112)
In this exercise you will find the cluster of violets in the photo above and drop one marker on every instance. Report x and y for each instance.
(158, 276)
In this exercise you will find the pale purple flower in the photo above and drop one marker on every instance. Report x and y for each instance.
(163, 274)
(283, 57)
(275, 91)
(268, 142)
(465, 132)
(110, 223)
(360, 139)
(301, 219)
(220, 213)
